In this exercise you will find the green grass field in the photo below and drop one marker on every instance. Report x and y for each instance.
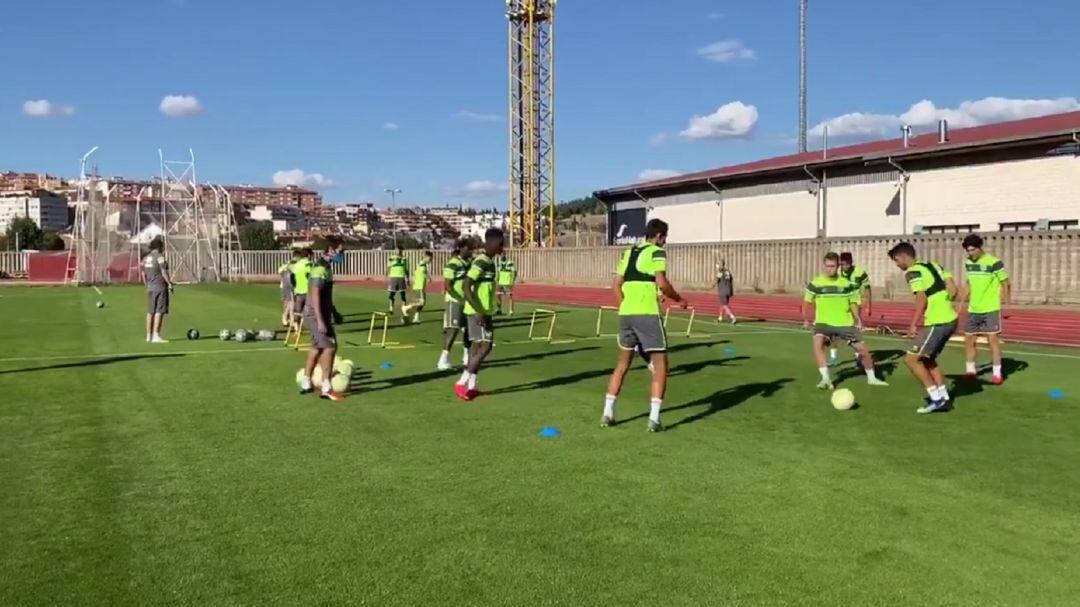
(192, 472)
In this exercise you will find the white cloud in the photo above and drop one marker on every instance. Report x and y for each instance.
(656, 174)
(298, 177)
(925, 114)
(180, 106)
(727, 51)
(43, 108)
(731, 121)
(391, 126)
(480, 188)
(478, 117)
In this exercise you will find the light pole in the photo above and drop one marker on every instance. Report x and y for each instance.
(393, 192)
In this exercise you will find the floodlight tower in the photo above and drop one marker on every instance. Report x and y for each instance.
(802, 74)
(532, 121)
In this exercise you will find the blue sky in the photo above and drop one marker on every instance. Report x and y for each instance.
(354, 96)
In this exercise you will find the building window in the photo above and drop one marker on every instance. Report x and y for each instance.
(1026, 226)
(1063, 224)
(951, 229)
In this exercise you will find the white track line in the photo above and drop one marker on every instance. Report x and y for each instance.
(97, 290)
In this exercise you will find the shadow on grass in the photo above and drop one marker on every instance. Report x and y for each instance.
(721, 400)
(969, 386)
(574, 378)
(92, 362)
(885, 363)
(376, 384)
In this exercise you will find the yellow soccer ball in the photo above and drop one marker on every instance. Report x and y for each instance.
(843, 399)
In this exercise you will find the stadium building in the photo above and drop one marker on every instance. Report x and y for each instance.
(1019, 175)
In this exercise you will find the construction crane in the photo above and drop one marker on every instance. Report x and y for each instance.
(532, 122)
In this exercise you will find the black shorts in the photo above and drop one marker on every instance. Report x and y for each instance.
(157, 302)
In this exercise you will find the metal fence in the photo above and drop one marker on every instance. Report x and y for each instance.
(12, 263)
(1045, 266)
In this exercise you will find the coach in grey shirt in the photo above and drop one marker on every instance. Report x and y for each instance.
(725, 290)
(158, 288)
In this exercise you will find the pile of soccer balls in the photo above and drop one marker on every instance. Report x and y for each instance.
(245, 335)
(340, 379)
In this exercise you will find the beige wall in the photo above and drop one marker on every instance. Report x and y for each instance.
(777, 216)
(1024, 190)
(859, 210)
(695, 222)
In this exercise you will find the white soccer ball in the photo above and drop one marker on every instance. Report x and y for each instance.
(225, 335)
(843, 399)
(340, 383)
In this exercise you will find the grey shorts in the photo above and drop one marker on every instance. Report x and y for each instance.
(725, 298)
(157, 302)
(397, 285)
(930, 341)
(320, 340)
(506, 288)
(286, 294)
(481, 330)
(988, 323)
(851, 335)
(645, 332)
(454, 316)
(298, 302)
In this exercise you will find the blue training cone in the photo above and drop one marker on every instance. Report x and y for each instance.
(549, 432)
(1057, 394)
(386, 365)
(729, 351)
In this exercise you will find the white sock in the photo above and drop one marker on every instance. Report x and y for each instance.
(326, 386)
(870, 373)
(445, 356)
(464, 378)
(609, 406)
(970, 369)
(943, 393)
(824, 371)
(306, 383)
(472, 381)
(997, 370)
(465, 357)
(933, 393)
(832, 352)
(654, 410)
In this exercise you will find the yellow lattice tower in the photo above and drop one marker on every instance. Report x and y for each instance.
(532, 122)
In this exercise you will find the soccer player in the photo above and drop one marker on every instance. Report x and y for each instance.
(934, 291)
(398, 270)
(641, 276)
(287, 283)
(987, 286)
(301, 273)
(725, 289)
(420, 280)
(319, 318)
(479, 291)
(507, 278)
(835, 301)
(454, 316)
(861, 280)
(158, 289)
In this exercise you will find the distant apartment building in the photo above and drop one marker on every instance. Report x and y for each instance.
(289, 196)
(12, 181)
(47, 210)
(284, 218)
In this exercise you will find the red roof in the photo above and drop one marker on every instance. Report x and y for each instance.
(1028, 128)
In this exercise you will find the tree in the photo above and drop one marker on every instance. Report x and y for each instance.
(589, 205)
(25, 232)
(258, 236)
(52, 241)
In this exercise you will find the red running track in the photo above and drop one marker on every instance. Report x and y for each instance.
(1041, 326)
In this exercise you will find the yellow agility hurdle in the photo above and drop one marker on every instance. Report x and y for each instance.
(600, 319)
(689, 325)
(551, 328)
(296, 329)
(375, 317)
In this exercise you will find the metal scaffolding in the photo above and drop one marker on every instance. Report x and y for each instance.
(189, 223)
(532, 122)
